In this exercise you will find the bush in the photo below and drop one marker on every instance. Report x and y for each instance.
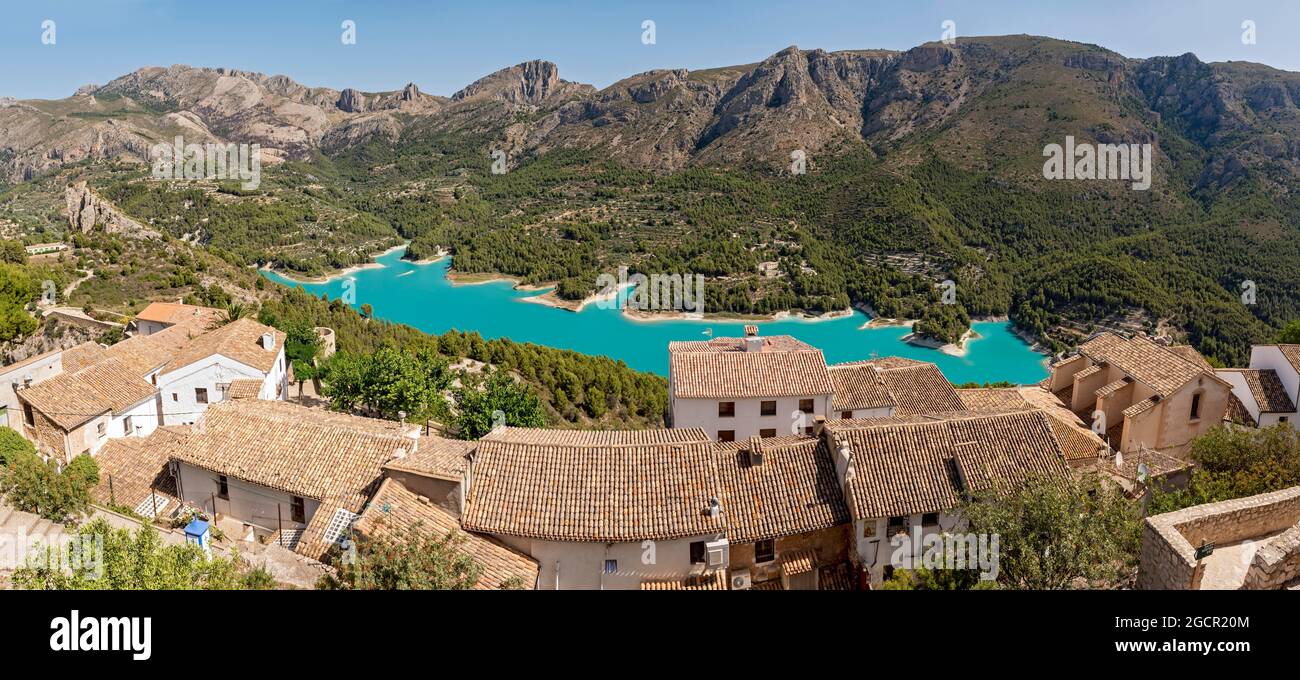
(34, 485)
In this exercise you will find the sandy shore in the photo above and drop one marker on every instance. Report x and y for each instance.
(957, 349)
(298, 278)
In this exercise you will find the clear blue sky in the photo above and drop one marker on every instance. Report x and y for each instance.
(441, 46)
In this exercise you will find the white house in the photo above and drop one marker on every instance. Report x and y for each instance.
(602, 510)
(296, 475)
(736, 388)
(1270, 389)
(161, 315)
(23, 374)
(203, 371)
(903, 477)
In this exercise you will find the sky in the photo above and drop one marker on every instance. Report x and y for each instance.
(441, 46)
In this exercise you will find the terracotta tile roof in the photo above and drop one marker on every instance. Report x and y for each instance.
(80, 356)
(437, 457)
(247, 388)
(798, 562)
(395, 509)
(70, 399)
(240, 340)
(536, 435)
(17, 365)
(913, 387)
(1113, 387)
(914, 467)
(1292, 355)
(721, 368)
(1267, 389)
(859, 386)
(564, 492)
(1237, 412)
(712, 581)
(993, 399)
(1077, 441)
(131, 468)
(835, 577)
(175, 313)
(331, 457)
(1141, 407)
(1189, 353)
(1158, 367)
(792, 491)
(921, 389)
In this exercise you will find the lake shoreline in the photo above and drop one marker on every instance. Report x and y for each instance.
(342, 273)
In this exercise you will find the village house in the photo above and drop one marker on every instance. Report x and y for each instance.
(904, 476)
(283, 473)
(1268, 391)
(243, 355)
(602, 510)
(890, 386)
(788, 526)
(1081, 447)
(76, 412)
(737, 388)
(1146, 394)
(159, 315)
(28, 372)
(396, 512)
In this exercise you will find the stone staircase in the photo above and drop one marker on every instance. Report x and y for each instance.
(22, 532)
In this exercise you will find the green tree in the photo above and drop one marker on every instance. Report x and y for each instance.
(138, 560)
(1234, 462)
(12, 444)
(1290, 334)
(1056, 534)
(479, 397)
(389, 382)
(937, 579)
(34, 485)
(413, 559)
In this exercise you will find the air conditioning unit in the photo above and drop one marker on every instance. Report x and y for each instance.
(717, 553)
(741, 580)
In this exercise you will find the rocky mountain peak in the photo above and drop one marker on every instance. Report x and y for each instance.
(530, 83)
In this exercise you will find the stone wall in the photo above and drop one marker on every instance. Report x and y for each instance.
(1276, 564)
(1168, 559)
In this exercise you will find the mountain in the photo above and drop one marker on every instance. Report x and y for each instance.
(922, 165)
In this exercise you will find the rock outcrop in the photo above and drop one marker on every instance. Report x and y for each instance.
(86, 211)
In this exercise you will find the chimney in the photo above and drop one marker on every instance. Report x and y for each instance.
(754, 451)
(751, 331)
(715, 507)
(819, 425)
(268, 341)
(753, 344)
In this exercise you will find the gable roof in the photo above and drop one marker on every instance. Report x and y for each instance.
(925, 464)
(175, 313)
(70, 399)
(395, 509)
(1158, 367)
(1267, 389)
(1078, 442)
(437, 457)
(794, 490)
(721, 369)
(245, 388)
(561, 491)
(240, 340)
(588, 438)
(858, 385)
(132, 468)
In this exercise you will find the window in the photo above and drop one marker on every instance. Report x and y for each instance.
(698, 553)
(846, 415)
(806, 405)
(126, 426)
(767, 432)
(765, 551)
(726, 435)
(808, 430)
(1196, 406)
(897, 525)
(930, 519)
(726, 409)
(176, 397)
(201, 395)
(768, 408)
(223, 487)
(299, 512)
(28, 416)
(611, 566)
(101, 429)
(224, 390)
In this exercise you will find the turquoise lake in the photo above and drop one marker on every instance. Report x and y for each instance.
(421, 296)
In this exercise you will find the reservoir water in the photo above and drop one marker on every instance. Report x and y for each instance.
(420, 295)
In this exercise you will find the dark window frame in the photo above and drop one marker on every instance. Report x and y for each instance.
(200, 395)
(298, 510)
(223, 487)
(767, 408)
(726, 409)
(767, 432)
(807, 405)
(765, 551)
(726, 435)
